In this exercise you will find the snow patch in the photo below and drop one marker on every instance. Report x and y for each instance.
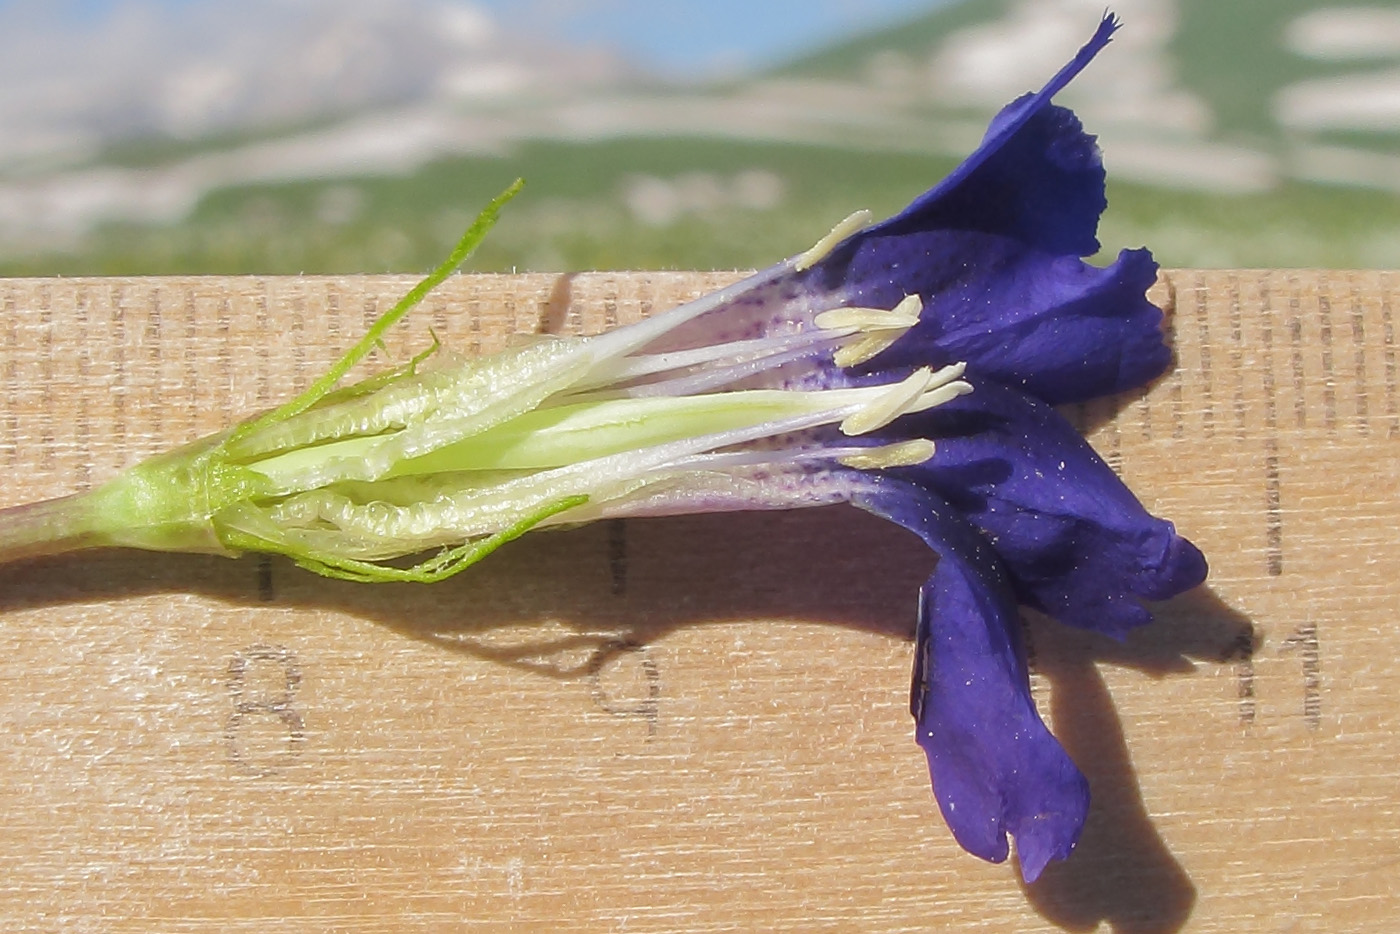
(1345, 33)
(1341, 165)
(1351, 102)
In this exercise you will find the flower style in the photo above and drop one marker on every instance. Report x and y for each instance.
(908, 367)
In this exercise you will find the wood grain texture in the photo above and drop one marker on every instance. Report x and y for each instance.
(693, 724)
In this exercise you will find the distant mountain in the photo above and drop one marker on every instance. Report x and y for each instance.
(1236, 94)
(1254, 132)
(69, 88)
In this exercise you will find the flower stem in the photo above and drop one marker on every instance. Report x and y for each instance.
(50, 527)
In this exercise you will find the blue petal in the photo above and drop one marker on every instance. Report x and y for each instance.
(996, 769)
(993, 252)
(1053, 326)
(1077, 543)
(1036, 177)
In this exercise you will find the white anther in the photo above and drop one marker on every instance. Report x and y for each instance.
(857, 221)
(878, 329)
(919, 391)
(936, 397)
(862, 350)
(890, 404)
(947, 374)
(909, 305)
(885, 456)
(903, 316)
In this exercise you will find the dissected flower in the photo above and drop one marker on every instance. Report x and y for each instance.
(908, 367)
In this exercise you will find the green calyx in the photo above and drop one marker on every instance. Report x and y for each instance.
(207, 497)
(452, 459)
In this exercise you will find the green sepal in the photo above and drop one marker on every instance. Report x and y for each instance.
(444, 564)
(374, 337)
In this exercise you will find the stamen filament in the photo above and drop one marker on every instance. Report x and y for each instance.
(864, 457)
(717, 356)
(874, 329)
(712, 378)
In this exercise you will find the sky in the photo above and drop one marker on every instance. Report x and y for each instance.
(679, 38)
(705, 36)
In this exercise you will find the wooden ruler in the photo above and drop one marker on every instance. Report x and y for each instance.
(695, 723)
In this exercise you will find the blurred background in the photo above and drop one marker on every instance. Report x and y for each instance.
(337, 136)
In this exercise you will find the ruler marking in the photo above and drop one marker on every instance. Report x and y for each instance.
(575, 316)
(1242, 649)
(332, 322)
(82, 420)
(1114, 456)
(119, 372)
(474, 325)
(1237, 356)
(1175, 400)
(11, 441)
(1329, 376)
(1392, 396)
(508, 305)
(155, 412)
(1273, 509)
(226, 351)
(1308, 645)
(439, 316)
(191, 380)
(1169, 309)
(298, 342)
(556, 312)
(369, 312)
(1178, 403)
(1266, 338)
(1358, 339)
(1144, 410)
(262, 342)
(1300, 382)
(1273, 488)
(1207, 376)
(46, 401)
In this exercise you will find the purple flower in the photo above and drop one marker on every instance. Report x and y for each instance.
(1017, 505)
(908, 367)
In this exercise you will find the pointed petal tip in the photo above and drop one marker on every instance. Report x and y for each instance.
(1110, 24)
(1101, 37)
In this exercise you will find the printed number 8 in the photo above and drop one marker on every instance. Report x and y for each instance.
(258, 704)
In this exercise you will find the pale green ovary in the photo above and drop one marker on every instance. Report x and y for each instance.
(567, 434)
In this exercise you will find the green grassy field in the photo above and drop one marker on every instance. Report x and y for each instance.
(573, 216)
